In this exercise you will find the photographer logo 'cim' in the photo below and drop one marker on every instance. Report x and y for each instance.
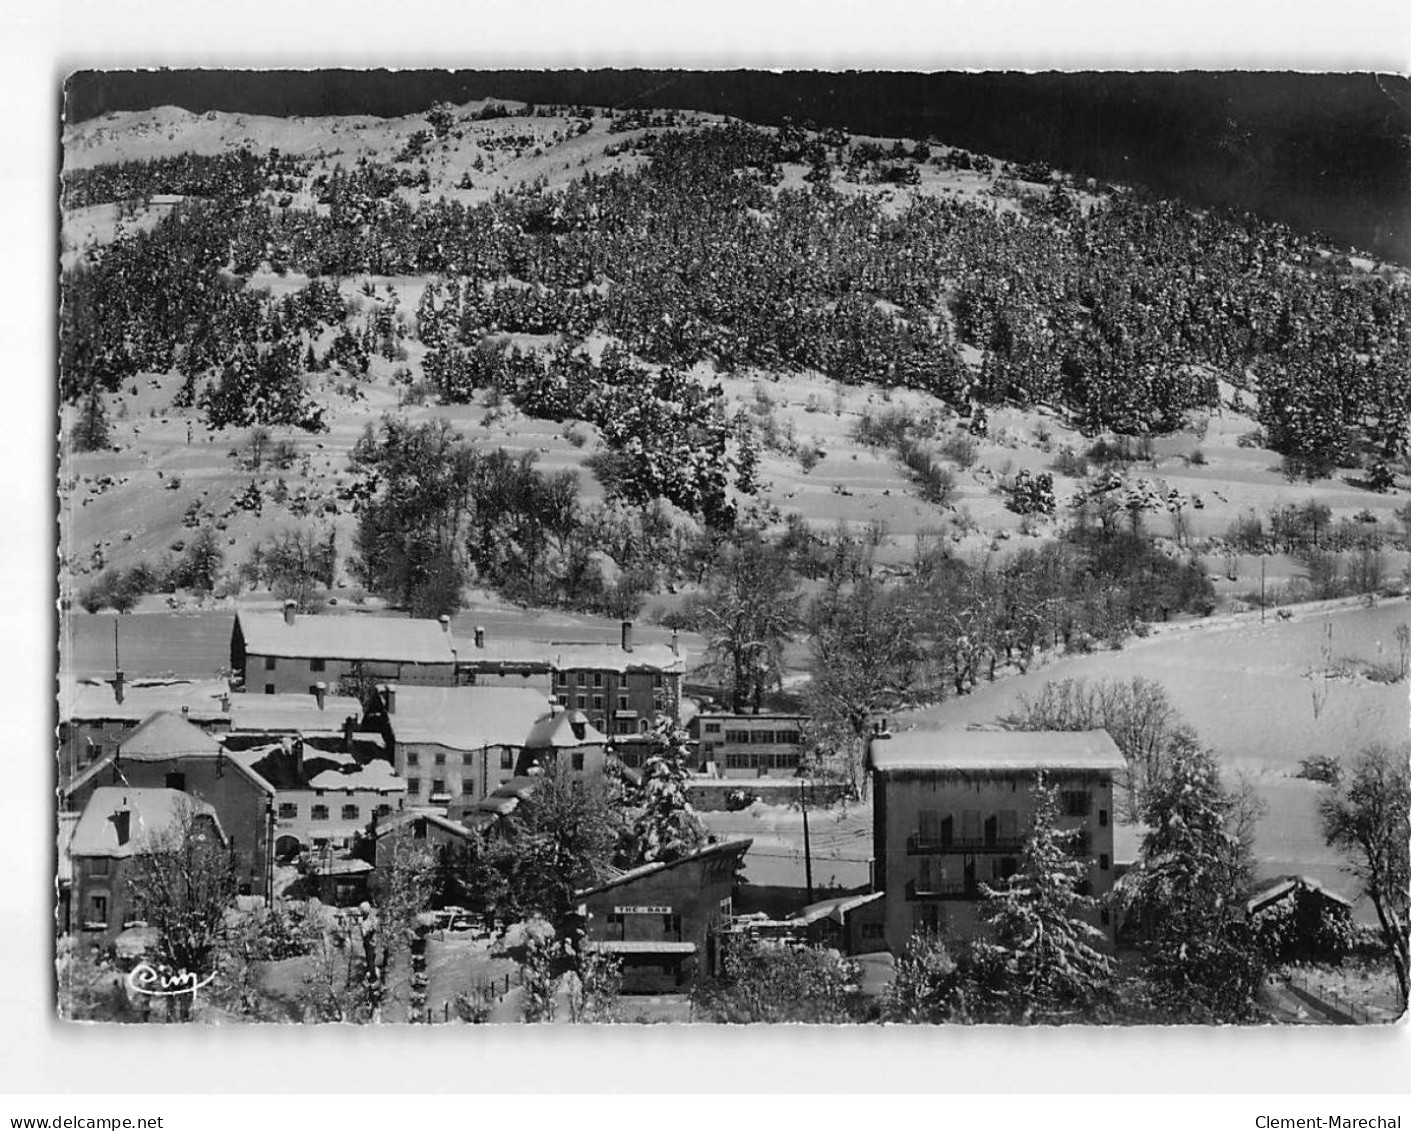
(164, 981)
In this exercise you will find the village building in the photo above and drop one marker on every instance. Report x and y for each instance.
(665, 920)
(622, 688)
(168, 752)
(747, 746)
(117, 823)
(275, 654)
(850, 924)
(456, 745)
(96, 715)
(952, 809)
(325, 796)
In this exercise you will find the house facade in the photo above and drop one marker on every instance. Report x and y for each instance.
(952, 810)
(664, 920)
(117, 824)
(454, 746)
(273, 654)
(168, 752)
(748, 746)
(622, 689)
(324, 798)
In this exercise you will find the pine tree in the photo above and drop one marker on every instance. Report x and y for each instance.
(91, 431)
(1186, 898)
(665, 826)
(1042, 962)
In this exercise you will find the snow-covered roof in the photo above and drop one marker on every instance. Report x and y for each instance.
(836, 909)
(152, 812)
(166, 734)
(723, 848)
(293, 713)
(467, 718)
(934, 750)
(1280, 886)
(572, 655)
(348, 636)
(560, 729)
(94, 700)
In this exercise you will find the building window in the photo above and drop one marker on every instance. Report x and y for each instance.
(438, 785)
(597, 679)
(440, 759)
(597, 702)
(1076, 802)
(582, 679)
(622, 702)
(269, 689)
(656, 680)
(288, 811)
(98, 910)
(467, 758)
(1106, 917)
(1103, 862)
(319, 813)
(350, 812)
(506, 759)
(582, 702)
(712, 728)
(98, 866)
(624, 726)
(563, 679)
(578, 759)
(177, 781)
(413, 758)
(316, 664)
(414, 786)
(269, 663)
(1102, 818)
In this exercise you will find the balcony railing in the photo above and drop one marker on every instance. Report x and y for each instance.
(925, 843)
(953, 889)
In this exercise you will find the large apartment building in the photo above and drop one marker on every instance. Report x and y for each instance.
(952, 809)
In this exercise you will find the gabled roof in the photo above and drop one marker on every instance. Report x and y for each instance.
(933, 750)
(724, 848)
(350, 636)
(166, 734)
(153, 811)
(559, 729)
(1281, 886)
(466, 718)
(394, 821)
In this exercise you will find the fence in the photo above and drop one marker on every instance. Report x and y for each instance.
(487, 993)
(1329, 1002)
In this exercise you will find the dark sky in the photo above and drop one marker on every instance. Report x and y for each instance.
(1324, 153)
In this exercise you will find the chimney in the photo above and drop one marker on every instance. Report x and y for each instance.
(320, 691)
(348, 724)
(225, 702)
(122, 823)
(118, 685)
(445, 622)
(185, 711)
(297, 751)
(675, 643)
(553, 705)
(290, 608)
(389, 697)
(479, 636)
(627, 636)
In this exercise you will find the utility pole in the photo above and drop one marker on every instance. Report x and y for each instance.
(807, 851)
(1261, 588)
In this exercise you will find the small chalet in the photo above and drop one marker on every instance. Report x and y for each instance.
(274, 654)
(664, 920)
(117, 823)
